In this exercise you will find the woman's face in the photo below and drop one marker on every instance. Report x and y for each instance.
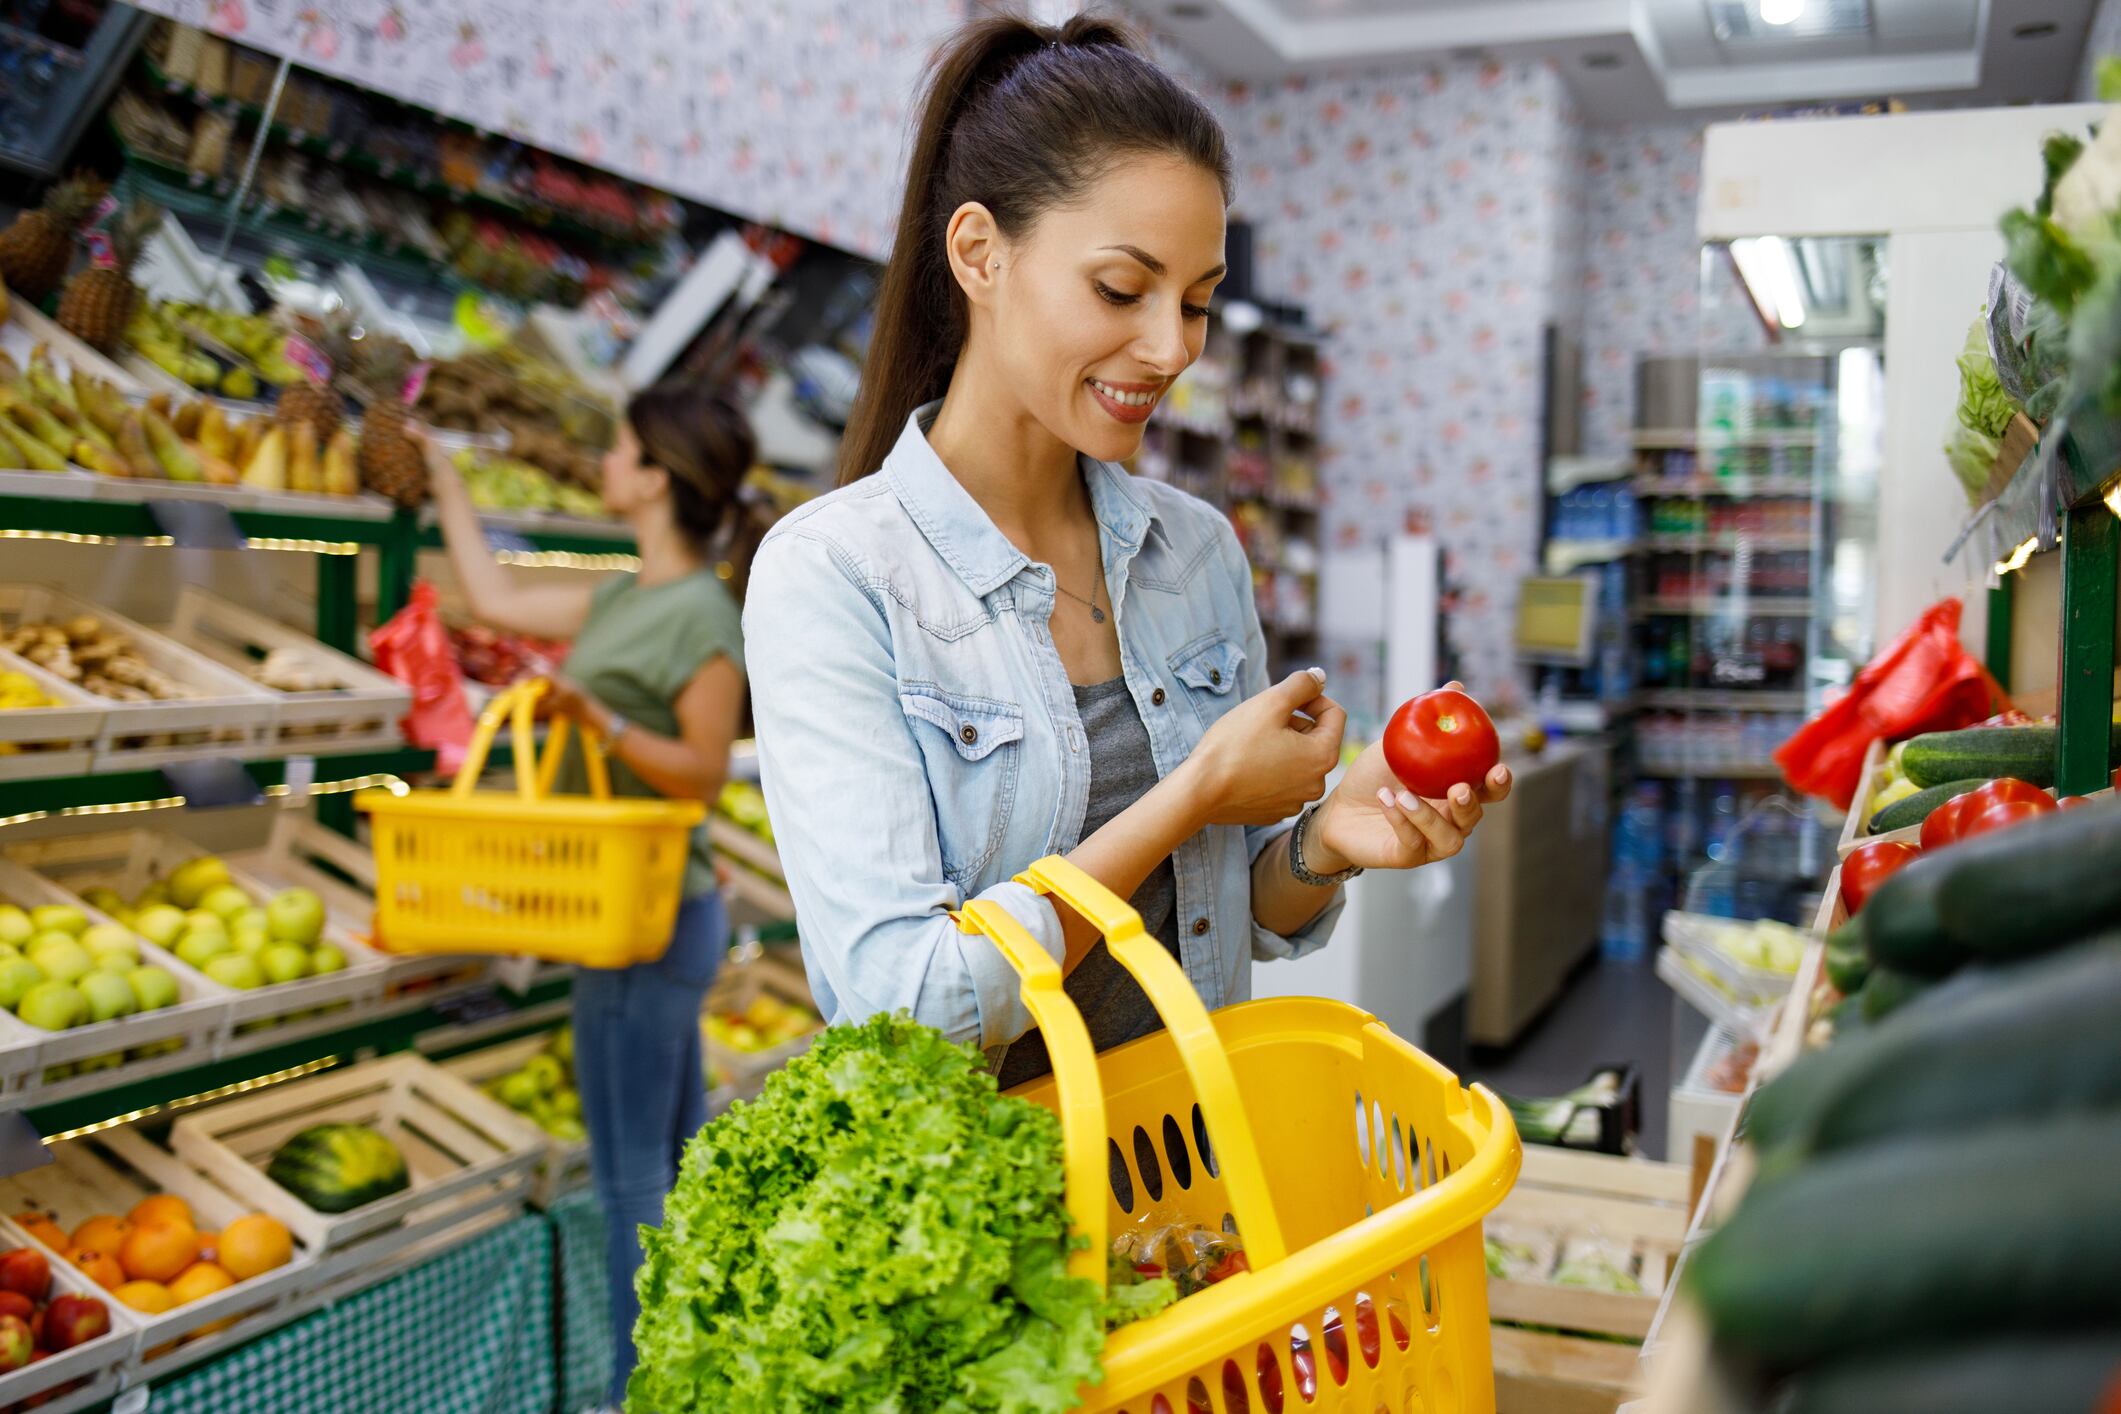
(629, 482)
(1100, 305)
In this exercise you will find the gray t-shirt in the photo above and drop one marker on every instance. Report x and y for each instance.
(1122, 770)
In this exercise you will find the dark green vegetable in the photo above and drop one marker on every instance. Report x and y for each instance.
(1914, 809)
(2025, 753)
(1931, 1237)
(1887, 989)
(335, 1168)
(1847, 964)
(1996, 1046)
(2028, 1374)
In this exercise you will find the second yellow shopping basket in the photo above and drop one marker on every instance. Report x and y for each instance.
(1238, 1122)
(584, 879)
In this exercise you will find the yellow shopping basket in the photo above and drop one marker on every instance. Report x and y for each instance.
(1367, 1288)
(585, 879)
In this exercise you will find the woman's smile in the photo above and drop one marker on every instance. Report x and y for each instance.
(1127, 402)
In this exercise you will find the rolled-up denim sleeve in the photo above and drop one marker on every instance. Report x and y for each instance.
(1267, 945)
(852, 811)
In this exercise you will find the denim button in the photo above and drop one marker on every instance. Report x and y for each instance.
(1200, 926)
(1156, 698)
(969, 735)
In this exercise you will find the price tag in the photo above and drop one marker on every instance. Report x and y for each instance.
(100, 254)
(299, 776)
(197, 525)
(131, 1401)
(212, 783)
(499, 541)
(416, 382)
(478, 1004)
(21, 1146)
(309, 358)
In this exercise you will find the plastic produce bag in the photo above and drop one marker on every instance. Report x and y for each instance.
(414, 648)
(1925, 682)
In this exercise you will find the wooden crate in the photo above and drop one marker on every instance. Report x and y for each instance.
(112, 1171)
(565, 1164)
(226, 716)
(1633, 1209)
(49, 741)
(735, 987)
(465, 1152)
(97, 1365)
(360, 711)
(301, 851)
(177, 1037)
(130, 860)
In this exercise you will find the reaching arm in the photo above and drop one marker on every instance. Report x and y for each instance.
(497, 597)
(690, 765)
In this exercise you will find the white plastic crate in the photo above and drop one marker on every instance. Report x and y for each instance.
(303, 852)
(465, 1153)
(129, 860)
(1699, 1108)
(360, 712)
(114, 1170)
(49, 741)
(565, 1166)
(152, 1042)
(93, 1368)
(227, 716)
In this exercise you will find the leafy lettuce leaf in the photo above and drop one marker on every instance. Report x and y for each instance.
(1983, 405)
(879, 1231)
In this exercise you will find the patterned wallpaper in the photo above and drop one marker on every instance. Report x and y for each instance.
(791, 112)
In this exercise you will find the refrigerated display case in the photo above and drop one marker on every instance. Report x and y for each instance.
(59, 60)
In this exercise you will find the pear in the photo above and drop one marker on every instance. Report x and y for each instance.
(100, 401)
(215, 437)
(186, 420)
(245, 436)
(178, 461)
(132, 445)
(218, 471)
(101, 459)
(342, 476)
(303, 471)
(158, 404)
(18, 446)
(267, 467)
(39, 423)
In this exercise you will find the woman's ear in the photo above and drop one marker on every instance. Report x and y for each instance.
(973, 246)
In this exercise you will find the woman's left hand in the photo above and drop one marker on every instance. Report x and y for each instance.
(1372, 822)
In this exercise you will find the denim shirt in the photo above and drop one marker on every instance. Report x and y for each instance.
(919, 742)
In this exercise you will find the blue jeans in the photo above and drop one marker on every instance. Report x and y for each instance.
(639, 1067)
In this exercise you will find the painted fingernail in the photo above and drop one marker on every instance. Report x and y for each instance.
(1319, 673)
(1460, 795)
(1384, 797)
(1409, 801)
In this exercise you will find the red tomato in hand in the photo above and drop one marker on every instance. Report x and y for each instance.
(1438, 740)
(1941, 826)
(1870, 865)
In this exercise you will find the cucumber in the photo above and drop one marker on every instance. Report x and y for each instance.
(2015, 1043)
(2018, 892)
(1934, 1236)
(1914, 809)
(1847, 964)
(2036, 1374)
(1887, 989)
(2027, 753)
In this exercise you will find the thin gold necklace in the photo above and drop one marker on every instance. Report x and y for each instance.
(1097, 615)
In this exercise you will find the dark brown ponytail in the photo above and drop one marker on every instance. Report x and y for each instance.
(703, 441)
(1022, 118)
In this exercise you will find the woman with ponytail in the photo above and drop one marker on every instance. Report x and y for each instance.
(657, 670)
(992, 643)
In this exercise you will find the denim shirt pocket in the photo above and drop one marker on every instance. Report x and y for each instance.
(971, 747)
(1210, 667)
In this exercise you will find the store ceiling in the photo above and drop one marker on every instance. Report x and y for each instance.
(1641, 60)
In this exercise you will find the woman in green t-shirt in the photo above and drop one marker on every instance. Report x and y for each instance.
(657, 669)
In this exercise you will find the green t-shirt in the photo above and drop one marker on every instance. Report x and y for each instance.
(641, 646)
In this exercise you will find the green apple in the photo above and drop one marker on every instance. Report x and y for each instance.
(15, 927)
(109, 1060)
(53, 1006)
(9, 950)
(61, 958)
(160, 924)
(296, 916)
(194, 879)
(157, 892)
(109, 937)
(200, 921)
(233, 969)
(198, 949)
(108, 996)
(568, 1102)
(153, 986)
(253, 916)
(59, 917)
(225, 901)
(103, 900)
(117, 964)
(519, 1091)
(284, 962)
(17, 976)
(249, 937)
(326, 957)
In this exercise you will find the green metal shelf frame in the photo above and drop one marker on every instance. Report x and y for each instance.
(104, 788)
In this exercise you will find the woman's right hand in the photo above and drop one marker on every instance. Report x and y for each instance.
(1261, 762)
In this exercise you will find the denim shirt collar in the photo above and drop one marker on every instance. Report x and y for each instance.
(966, 537)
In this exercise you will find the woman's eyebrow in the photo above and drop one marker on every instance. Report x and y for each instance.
(1157, 267)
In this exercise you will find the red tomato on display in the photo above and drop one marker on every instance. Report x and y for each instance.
(1438, 740)
(2000, 804)
(2074, 802)
(1870, 865)
(1941, 826)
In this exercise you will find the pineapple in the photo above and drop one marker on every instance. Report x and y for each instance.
(37, 248)
(391, 462)
(318, 406)
(98, 302)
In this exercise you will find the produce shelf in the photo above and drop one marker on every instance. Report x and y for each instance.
(149, 788)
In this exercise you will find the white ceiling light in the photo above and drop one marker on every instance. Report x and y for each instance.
(1781, 12)
(1769, 270)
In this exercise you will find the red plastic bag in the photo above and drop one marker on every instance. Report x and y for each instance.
(414, 648)
(1925, 682)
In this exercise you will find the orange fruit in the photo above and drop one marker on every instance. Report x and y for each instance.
(197, 1280)
(159, 1251)
(163, 1207)
(41, 1227)
(101, 1268)
(102, 1233)
(150, 1298)
(253, 1244)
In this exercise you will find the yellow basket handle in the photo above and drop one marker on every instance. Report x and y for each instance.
(517, 705)
(1081, 1094)
(1214, 1082)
